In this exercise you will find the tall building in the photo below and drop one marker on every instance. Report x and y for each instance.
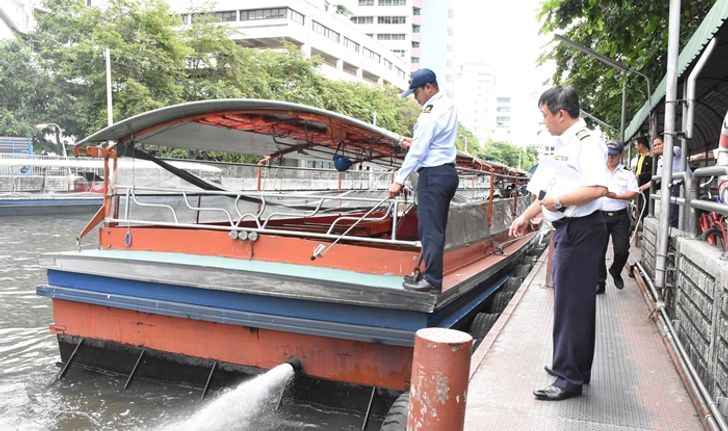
(16, 17)
(438, 42)
(396, 24)
(317, 28)
(474, 98)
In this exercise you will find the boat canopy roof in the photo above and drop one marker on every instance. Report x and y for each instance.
(267, 128)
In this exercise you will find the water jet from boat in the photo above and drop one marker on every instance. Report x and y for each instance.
(238, 408)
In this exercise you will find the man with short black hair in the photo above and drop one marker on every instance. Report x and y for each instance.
(622, 186)
(431, 153)
(569, 186)
(643, 171)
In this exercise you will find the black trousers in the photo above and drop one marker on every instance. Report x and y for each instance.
(674, 208)
(435, 189)
(618, 230)
(578, 249)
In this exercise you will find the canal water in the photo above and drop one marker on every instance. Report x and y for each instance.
(32, 399)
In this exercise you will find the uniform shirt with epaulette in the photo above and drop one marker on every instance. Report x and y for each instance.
(620, 181)
(433, 140)
(584, 156)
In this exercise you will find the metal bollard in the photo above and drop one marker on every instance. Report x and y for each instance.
(440, 372)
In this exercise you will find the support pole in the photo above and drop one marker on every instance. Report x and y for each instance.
(209, 379)
(70, 360)
(440, 372)
(134, 369)
(669, 141)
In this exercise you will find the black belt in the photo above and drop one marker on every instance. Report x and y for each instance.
(614, 213)
(562, 221)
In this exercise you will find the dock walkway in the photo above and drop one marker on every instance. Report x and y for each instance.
(634, 386)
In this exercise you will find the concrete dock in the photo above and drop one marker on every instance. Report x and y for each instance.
(634, 385)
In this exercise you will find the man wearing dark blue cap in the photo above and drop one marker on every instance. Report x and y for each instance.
(622, 185)
(432, 155)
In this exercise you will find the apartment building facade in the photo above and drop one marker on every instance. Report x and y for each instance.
(396, 24)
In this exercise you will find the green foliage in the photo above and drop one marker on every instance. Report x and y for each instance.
(509, 154)
(466, 140)
(58, 73)
(631, 32)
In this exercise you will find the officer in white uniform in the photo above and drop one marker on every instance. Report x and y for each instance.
(569, 187)
(622, 189)
(432, 155)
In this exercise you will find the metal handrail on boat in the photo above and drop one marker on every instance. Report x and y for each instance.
(131, 194)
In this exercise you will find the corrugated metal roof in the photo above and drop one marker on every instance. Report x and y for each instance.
(708, 28)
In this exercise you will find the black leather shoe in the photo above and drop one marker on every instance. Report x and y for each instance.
(600, 288)
(549, 371)
(422, 285)
(618, 282)
(552, 393)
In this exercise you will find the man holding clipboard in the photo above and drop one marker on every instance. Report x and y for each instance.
(569, 186)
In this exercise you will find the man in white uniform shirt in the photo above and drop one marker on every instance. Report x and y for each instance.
(623, 188)
(432, 155)
(569, 186)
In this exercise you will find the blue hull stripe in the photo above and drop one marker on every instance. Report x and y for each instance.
(240, 301)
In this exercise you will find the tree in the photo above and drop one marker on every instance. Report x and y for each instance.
(58, 74)
(631, 32)
(509, 154)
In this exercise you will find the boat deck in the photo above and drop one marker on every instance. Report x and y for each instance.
(634, 386)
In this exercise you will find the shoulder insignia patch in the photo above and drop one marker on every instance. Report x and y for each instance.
(583, 134)
(428, 109)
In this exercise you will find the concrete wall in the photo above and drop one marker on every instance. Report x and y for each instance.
(697, 299)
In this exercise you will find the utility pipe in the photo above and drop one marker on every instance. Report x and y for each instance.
(670, 101)
(715, 418)
(692, 78)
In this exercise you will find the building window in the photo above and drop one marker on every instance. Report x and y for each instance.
(388, 64)
(185, 18)
(399, 52)
(362, 19)
(400, 73)
(415, 44)
(390, 36)
(392, 20)
(226, 16)
(505, 109)
(258, 14)
(392, 2)
(415, 28)
(295, 16)
(366, 2)
(503, 100)
(351, 44)
(325, 31)
(368, 53)
(415, 60)
(416, 11)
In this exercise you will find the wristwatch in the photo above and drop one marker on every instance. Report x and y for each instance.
(557, 202)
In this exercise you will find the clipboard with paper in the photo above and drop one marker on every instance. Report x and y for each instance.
(555, 177)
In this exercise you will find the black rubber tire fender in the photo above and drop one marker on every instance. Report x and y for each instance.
(396, 418)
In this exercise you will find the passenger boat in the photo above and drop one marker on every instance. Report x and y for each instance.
(305, 262)
(48, 184)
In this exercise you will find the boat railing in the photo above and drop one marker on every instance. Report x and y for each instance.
(282, 177)
(23, 173)
(261, 209)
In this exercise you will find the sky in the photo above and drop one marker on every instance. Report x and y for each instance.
(505, 34)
